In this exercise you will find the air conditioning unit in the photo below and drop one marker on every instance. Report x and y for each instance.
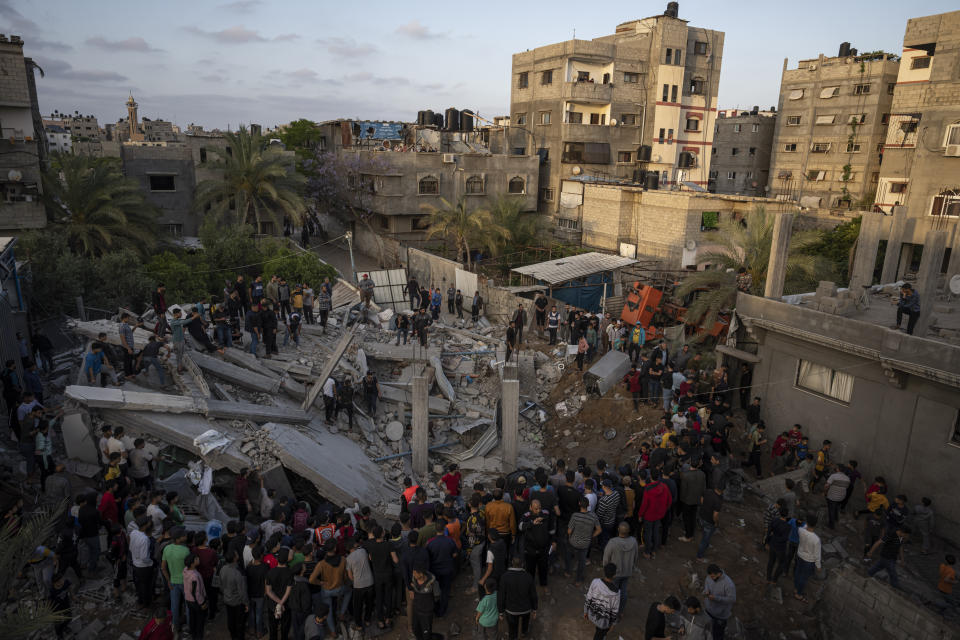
(953, 151)
(449, 158)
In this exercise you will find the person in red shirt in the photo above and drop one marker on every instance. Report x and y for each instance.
(779, 452)
(409, 490)
(207, 567)
(655, 504)
(451, 481)
(108, 509)
(634, 383)
(158, 627)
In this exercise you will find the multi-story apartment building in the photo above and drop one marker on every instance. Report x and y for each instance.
(23, 147)
(58, 139)
(742, 141)
(77, 125)
(921, 153)
(638, 105)
(831, 127)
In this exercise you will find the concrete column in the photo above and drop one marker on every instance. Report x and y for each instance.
(865, 258)
(510, 417)
(953, 268)
(779, 253)
(906, 259)
(934, 246)
(421, 430)
(891, 258)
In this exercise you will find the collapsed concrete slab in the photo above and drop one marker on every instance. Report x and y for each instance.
(256, 412)
(337, 466)
(237, 375)
(77, 438)
(402, 353)
(114, 398)
(442, 383)
(392, 393)
(329, 366)
(91, 328)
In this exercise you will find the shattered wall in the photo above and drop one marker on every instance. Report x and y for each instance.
(431, 270)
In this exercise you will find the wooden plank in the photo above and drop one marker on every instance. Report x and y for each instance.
(329, 366)
(237, 375)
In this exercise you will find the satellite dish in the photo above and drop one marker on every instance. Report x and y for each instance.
(691, 245)
(955, 285)
(14, 175)
(576, 171)
(613, 122)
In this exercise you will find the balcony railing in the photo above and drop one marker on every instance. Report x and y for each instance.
(589, 91)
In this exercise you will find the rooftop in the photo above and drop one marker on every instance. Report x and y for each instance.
(565, 269)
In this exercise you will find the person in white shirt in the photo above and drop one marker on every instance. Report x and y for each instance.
(330, 400)
(115, 445)
(103, 446)
(589, 494)
(143, 576)
(808, 556)
(156, 513)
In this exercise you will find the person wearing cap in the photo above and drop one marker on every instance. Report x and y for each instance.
(366, 290)
(638, 337)
(171, 566)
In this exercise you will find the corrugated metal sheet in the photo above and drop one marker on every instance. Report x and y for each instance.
(574, 267)
(388, 285)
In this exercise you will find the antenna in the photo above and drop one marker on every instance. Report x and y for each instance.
(574, 33)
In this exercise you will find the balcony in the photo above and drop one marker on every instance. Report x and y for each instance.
(587, 91)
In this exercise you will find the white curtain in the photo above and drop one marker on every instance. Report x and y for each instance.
(824, 380)
(842, 386)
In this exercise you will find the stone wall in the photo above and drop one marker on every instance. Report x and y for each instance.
(430, 270)
(860, 607)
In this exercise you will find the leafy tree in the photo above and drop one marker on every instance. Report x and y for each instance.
(120, 281)
(56, 275)
(748, 246)
(295, 266)
(303, 137)
(527, 228)
(16, 547)
(98, 209)
(837, 246)
(466, 227)
(185, 276)
(258, 185)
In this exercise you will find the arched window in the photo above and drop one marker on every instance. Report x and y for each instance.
(429, 186)
(517, 185)
(474, 185)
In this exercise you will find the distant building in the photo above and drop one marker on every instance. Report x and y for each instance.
(742, 142)
(832, 123)
(81, 127)
(638, 105)
(58, 139)
(23, 147)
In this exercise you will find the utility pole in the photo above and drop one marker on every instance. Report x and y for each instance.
(353, 267)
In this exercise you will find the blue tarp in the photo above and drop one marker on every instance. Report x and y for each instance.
(586, 293)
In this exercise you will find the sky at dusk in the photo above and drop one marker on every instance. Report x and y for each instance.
(224, 63)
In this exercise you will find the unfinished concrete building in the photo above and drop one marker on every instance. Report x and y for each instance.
(637, 105)
(742, 143)
(832, 123)
(921, 157)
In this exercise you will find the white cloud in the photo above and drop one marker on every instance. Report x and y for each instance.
(347, 47)
(130, 44)
(417, 31)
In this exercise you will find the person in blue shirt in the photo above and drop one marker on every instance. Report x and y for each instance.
(909, 304)
(179, 343)
(435, 300)
(93, 364)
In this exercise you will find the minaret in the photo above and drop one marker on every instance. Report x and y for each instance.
(132, 119)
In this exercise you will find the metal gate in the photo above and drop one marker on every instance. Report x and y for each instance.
(388, 288)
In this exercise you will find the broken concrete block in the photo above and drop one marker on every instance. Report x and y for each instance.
(77, 439)
(394, 430)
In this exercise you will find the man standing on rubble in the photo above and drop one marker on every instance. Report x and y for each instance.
(413, 290)
(520, 321)
(451, 298)
(330, 400)
(476, 306)
(458, 303)
(435, 301)
(511, 339)
(127, 344)
(540, 312)
(283, 292)
(420, 323)
(268, 326)
(553, 323)
(271, 289)
(242, 293)
(371, 392)
(366, 291)
(160, 308)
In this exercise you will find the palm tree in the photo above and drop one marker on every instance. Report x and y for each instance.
(16, 547)
(98, 208)
(526, 228)
(476, 227)
(745, 244)
(259, 183)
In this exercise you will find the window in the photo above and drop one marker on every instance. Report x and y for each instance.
(624, 157)
(885, 118)
(952, 135)
(566, 223)
(696, 87)
(790, 147)
(546, 194)
(861, 89)
(693, 124)
(946, 203)
(419, 223)
(731, 175)
(875, 177)
(700, 48)
(666, 93)
(518, 151)
(429, 186)
(673, 93)
(670, 136)
(523, 80)
(891, 86)
(898, 187)
(663, 134)
(734, 151)
(709, 220)
(596, 153)
(753, 151)
(175, 230)
(517, 185)
(203, 155)
(713, 151)
(520, 119)
(546, 77)
(678, 56)
(583, 76)
(816, 175)
(668, 56)
(826, 119)
(229, 151)
(163, 183)
(628, 119)
(543, 117)
(824, 381)
(572, 153)
(796, 94)
(598, 118)
(474, 185)
(857, 118)
(754, 128)
(853, 147)
(793, 121)
(736, 128)
(920, 62)
(909, 126)
(749, 175)
(630, 77)
(820, 147)
(574, 117)
(714, 174)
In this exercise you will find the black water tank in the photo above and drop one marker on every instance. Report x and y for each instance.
(466, 120)
(421, 118)
(652, 180)
(673, 10)
(853, 52)
(755, 110)
(437, 120)
(844, 49)
(428, 118)
(453, 120)
(639, 175)
(644, 152)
